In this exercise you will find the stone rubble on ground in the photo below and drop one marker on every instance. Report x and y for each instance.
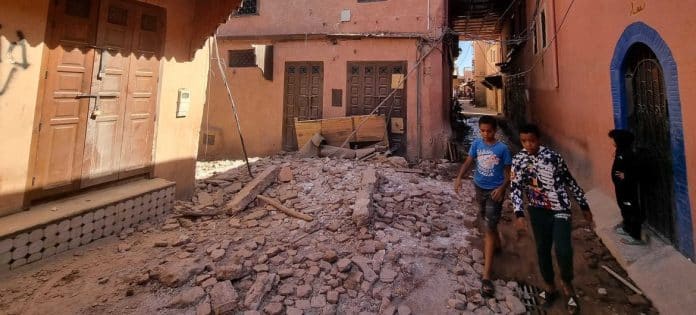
(371, 221)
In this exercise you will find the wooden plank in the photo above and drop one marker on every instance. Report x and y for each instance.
(374, 129)
(304, 130)
(285, 209)
(336, 130)
(252, 189)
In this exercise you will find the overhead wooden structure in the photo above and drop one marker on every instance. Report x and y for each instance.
(478, 19)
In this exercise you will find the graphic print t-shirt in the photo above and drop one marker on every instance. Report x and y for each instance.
(490, 163)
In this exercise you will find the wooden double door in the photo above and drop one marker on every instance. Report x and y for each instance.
(97, 112)
(369, 85)
(304, 82)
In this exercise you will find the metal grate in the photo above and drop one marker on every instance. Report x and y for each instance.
(118, 16)
(79, 8)
(148, 23)
(249, 7)
(336, 97)
(648, 118)
(242, 58)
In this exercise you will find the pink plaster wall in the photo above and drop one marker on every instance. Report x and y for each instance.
(577, 114)
(323, 16)
(260, 102)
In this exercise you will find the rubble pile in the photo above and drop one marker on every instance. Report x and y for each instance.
(260, 260)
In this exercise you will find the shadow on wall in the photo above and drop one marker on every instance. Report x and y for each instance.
(183, 173)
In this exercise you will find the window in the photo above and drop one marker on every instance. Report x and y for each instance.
(242, 58)
(249, 7)
(543, 29)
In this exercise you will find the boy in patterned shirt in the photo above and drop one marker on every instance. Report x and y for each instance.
(492, 160)
(542, 175)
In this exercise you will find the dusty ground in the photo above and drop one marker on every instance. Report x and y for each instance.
(419, 255)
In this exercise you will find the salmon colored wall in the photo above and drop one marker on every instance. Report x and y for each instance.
(578, 114)
(260, 102)
(176, 141)
(322, 17)
(18, 101)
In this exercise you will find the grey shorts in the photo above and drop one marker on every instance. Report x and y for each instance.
(489, 209)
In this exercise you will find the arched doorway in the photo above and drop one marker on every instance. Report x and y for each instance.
(645, 97)
(648, 119)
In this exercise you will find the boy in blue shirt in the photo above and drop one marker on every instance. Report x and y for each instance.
(491, 177)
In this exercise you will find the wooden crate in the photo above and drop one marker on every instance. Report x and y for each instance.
(374, 129)
(304, 130)
(336, 130)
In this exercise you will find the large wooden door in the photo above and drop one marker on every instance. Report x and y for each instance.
(109, 82)
(369, 84)
(304, 83)
(139, 129)
(97, 118)
(61, 138)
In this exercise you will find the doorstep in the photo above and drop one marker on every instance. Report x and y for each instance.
(664, 275)
(50, 228)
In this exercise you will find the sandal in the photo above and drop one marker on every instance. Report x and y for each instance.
(572, 306)
(548, 297)
(487, 288)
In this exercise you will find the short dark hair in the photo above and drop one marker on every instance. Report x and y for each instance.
(623, 138)
(488, 120)
(530, 128)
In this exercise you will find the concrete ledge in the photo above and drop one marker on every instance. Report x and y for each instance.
(57, 226)
(666, 277)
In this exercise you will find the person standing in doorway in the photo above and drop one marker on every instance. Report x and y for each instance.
(492, 159)
(624, 175)
(543, 176)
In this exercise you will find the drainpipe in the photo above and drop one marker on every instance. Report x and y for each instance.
(555, 43)
(418, 99)
(428, 13)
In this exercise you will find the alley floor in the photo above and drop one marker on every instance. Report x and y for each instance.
(419, 254)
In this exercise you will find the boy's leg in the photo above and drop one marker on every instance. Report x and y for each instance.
(542, 227)
(493, 211)
(634, 221)
(564, 249)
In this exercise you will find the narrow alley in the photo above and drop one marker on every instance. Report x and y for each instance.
(347, 157)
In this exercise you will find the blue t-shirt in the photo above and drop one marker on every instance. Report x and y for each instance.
(490, 163)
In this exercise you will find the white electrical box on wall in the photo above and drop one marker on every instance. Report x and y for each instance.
(183, 102)
(345, 16)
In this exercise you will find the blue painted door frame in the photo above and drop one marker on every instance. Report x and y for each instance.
(639, 32)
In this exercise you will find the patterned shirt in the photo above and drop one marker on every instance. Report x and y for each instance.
(543, 177)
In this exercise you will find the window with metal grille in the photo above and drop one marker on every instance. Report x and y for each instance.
(249, 7)
(242, 58)
(336, 97)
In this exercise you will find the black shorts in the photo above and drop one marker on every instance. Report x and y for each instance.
(489, 209)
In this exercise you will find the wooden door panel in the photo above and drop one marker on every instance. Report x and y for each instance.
(109, 81)
(303, 97)
(369, 84)
(139, 119)
(62, 125)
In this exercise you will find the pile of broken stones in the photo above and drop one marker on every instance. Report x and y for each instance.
(362, 252)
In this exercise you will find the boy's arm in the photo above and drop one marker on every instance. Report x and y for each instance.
(499, 193)
(516, 187)
(463, 170)
(573, 185)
